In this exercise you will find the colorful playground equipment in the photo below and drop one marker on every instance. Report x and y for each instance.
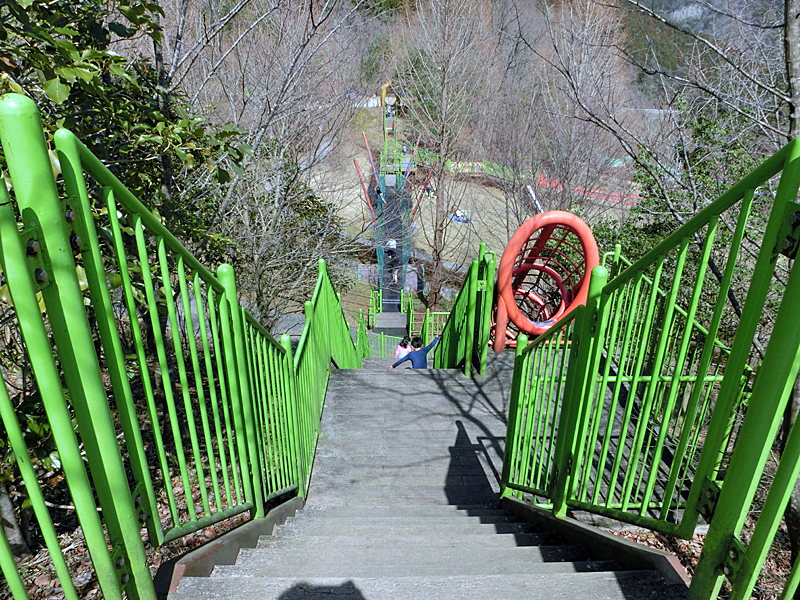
(543, 274)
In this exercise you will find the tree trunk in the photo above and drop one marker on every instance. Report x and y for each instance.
(11, 528)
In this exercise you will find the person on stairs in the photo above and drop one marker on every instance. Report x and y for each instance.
(418, 355)
(403, 348)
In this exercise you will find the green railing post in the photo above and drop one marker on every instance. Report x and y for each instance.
(577, 375)
(512, 432)
(227, 278)
(469, 341)
(487, 301)
(22, 138)
(293, 404)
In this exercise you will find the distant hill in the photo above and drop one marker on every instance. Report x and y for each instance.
(716, 17)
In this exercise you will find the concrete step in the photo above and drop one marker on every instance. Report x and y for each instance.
(639, 585)
(412, 541)
(427, 495)
(406, 527)
(365, 511)
(626, 585)
(517, 561)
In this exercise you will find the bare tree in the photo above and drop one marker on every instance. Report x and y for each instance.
(282, 73)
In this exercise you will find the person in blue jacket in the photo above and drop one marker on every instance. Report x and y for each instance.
(419, 355)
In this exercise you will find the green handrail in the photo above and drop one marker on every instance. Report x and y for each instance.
(465, 334)
(629, 407)
(207, 401)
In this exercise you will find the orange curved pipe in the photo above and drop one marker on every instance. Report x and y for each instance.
(511, 273)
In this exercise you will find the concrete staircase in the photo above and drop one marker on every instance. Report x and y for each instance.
(404, 505)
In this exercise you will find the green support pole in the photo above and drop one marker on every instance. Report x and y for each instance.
(513, 414)
(292, 402)
(22, 138)
(227, 278)
(472, 298)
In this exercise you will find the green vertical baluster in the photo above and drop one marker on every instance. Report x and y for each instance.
(771, 392)
(198, 383)
(622, 315)
(250, 347)
(105, 319)
(226, 277)
(155, 530)
(181, 367)
(48, 380)
(647, 401)
(708, 349)
(158, 337)
(486, 317)
(160, 343)
(514, 417)
(272, 417)
(10, 571)
(469, 333)
(639, 349)
(574, 393)
(609, 312)
(537, 408)
(792, 582)
(209, 437)
(219, 355)
(278, 409)
(681, 356)
(16, 442)
(292, 404)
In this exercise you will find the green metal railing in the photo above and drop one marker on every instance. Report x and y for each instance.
(632, 408)
(188, 410)
(375, 306)
(464, 339)
(382, 345)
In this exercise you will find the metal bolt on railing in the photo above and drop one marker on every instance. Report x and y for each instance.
(728, 570)
(75, 241)
(794, 218)
(33, 247)
(788, 243)
(70, 215)
(41, 276)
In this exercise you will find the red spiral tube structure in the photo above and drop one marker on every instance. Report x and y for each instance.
(543, 274)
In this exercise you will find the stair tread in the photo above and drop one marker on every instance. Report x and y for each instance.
(401, 541)
(496, 566)
(641, 585)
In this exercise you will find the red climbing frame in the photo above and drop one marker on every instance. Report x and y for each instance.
(543, 274)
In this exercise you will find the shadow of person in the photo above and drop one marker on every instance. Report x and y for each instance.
(466, 483)
(308, 591)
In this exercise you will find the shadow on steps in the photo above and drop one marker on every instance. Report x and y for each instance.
(308, 591)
